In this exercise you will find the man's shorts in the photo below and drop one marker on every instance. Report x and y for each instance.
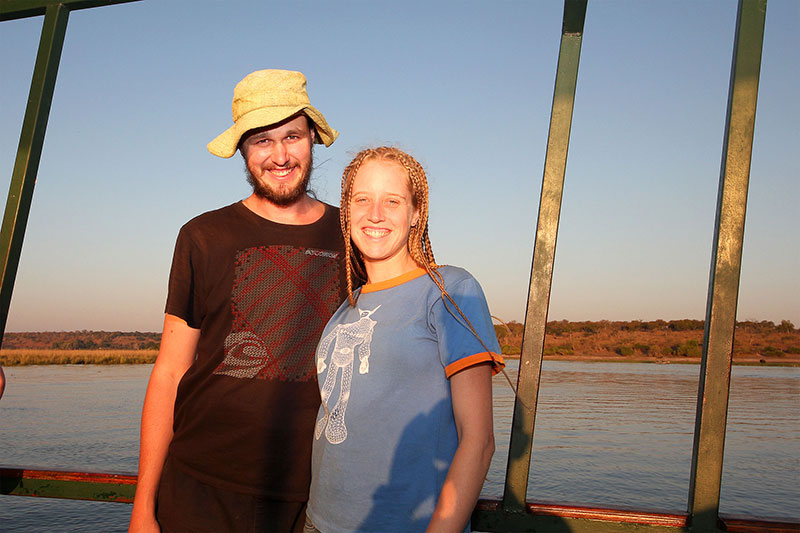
(187, 505)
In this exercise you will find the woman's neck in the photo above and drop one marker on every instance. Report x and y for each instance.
(388, 269)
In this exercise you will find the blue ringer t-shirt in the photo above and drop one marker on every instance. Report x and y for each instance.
(385, 434)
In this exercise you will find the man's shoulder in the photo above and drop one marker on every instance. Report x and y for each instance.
(331, 213)
(215, 214)
(330, 207)
(214, 217)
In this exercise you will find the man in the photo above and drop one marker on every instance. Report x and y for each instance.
(232, 400)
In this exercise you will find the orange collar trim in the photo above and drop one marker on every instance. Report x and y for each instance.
(393, 282)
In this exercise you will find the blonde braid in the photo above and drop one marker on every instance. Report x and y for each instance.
(353, 266)
(419, 243)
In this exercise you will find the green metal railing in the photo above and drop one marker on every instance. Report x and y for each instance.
(34, 125)
(544, 251)
(712, 403)
(515, 512)
(723, 286)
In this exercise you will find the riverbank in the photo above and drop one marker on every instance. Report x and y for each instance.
(790, 361)
(26, 357)
(657, 341)
(13, 357)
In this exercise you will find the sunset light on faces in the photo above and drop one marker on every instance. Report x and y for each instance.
(279, 157)
(382, 212)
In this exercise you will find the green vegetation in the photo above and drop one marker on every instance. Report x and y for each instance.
(625, 351)
(656, 340)
(690, 348)
(756, 342)
(644, 349)
(771, 351)
(508, 349)
(14, 357)
(686, 325)
(83, 340)
(563, 349)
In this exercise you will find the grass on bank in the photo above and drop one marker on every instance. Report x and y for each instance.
(25, 357)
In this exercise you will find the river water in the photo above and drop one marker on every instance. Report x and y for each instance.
(607, 434)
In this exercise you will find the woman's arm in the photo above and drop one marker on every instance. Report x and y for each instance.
(471, 389)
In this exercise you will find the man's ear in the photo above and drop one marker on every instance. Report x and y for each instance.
(313, 132)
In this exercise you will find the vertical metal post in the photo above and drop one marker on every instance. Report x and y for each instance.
(715, 370)
(23, 178)
(519, 453)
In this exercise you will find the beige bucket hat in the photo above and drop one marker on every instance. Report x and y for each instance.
(267, 97)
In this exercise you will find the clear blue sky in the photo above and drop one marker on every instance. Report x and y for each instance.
(466, 86)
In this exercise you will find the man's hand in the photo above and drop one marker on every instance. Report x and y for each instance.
(142, 522)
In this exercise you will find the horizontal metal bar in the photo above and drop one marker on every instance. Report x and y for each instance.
(488, 515)
(19, 9)
(93, 486)
(739, 524)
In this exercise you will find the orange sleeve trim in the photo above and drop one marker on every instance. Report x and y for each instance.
(394, 282)
(484, 357)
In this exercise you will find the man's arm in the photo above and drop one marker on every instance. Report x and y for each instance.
(472, 407)
(176, 355)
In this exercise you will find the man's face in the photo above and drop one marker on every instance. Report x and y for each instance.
(279, 160)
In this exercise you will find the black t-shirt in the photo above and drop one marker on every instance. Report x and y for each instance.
(261, 294)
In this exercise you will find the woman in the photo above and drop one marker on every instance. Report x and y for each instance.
(404, 436)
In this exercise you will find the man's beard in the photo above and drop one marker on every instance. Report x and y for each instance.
(282, 196)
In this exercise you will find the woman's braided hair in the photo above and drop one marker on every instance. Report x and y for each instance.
(419, 243)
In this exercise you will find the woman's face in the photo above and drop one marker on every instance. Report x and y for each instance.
(381, 216)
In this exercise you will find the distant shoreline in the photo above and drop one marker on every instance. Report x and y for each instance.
(30, 357)
(657, 341)
(737, 361)
(33, 357)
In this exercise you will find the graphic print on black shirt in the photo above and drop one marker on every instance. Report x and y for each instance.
(281, 299)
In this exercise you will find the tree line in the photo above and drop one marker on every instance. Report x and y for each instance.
(506, 333)
(561, 327)
(83, 340)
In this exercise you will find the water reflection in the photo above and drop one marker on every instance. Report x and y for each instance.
(620, 435)
(616, 435)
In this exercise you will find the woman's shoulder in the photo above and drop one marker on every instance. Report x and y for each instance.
(454, 274)
(458, 282)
